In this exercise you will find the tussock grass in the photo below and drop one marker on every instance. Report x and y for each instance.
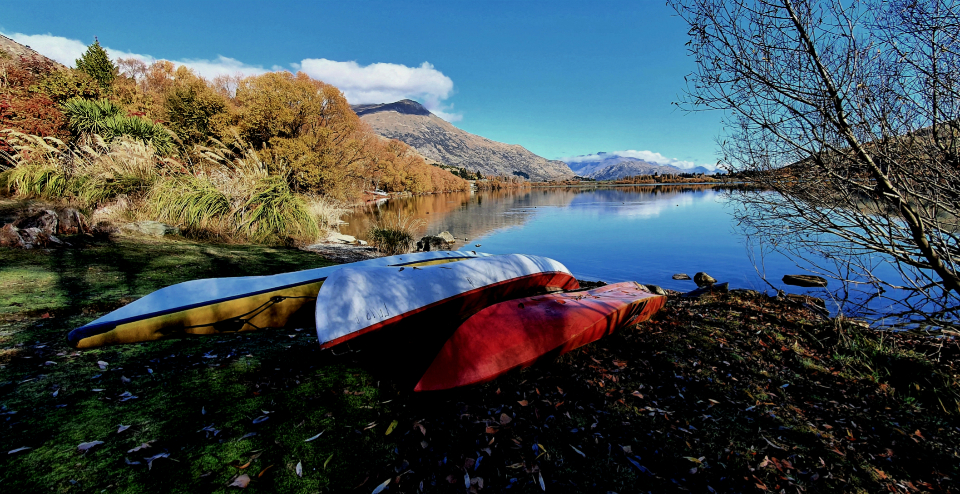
(222, 191)
(393, 235)
(193, 202)
(273, 211)
(37, 180)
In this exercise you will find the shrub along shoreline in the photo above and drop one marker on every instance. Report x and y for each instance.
(272, 158)
(735, 393)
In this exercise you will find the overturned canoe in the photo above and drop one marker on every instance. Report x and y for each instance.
(358, 300)
(226, 305)
(516, 333)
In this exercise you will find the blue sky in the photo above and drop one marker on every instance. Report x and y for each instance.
(559, 78)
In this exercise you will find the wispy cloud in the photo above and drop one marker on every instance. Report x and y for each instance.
(373, 83)
(648, 156)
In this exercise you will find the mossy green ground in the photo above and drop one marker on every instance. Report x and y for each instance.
(732, 394)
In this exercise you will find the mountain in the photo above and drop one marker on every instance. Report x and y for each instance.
(14, 49)
(611, 167)
(608, 166)
(437, 139)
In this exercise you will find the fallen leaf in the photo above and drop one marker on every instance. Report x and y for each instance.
(242, 481)
(505, 419)
(314, 437)
(103, 365)
(491, 429)
(381, 487)
(695, 460)
(542, 484)
(299, 469)
(523, 403)
(84, 447)
(391, 427)
(371, 425)
(155, 457)
(124, 379)
(262, 418)
(244, 466)
(637, 394)
(264, 471)
(55, 393)
(14, 451)
(328, 461)
(142, 446)
(578, 451)
(123, 428)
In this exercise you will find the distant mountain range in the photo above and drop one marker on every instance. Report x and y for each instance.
(610, 166)
(438, 140)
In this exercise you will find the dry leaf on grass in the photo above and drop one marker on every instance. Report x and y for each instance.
(242, 481)
(381, 487)
(84, 447)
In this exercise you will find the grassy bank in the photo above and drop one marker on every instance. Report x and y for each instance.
(733, 394)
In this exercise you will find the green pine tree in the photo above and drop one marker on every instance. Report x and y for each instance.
(97, 64)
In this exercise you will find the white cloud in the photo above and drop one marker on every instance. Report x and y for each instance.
(374, 83)
(648, 156)
(385, 83)
(67, 51)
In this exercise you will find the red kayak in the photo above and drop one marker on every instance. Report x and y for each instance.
(516, 333)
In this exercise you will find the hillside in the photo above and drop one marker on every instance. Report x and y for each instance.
(608, 166)
(14, 49)
(437, 139)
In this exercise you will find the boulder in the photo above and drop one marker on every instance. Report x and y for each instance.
(655, 289)
(743, 292)
(339, 238)
(10, 236)
(708, 290)
(152, 228)
(71, 222)
(804, 280)
(45, 220)
(429, 243)
(681, 276)
(34, 237)
(447, 237)
(703, 279)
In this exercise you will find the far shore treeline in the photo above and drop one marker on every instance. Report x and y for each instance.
(267, 158)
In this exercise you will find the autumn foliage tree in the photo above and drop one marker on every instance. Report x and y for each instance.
(302, 129)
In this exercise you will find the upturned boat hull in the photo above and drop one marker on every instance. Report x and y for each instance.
(516, 333)
(432, 299)
(228, 305)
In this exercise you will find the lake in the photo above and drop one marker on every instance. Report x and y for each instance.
(644, 233)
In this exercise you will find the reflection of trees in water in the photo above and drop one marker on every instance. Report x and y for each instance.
(478, 213)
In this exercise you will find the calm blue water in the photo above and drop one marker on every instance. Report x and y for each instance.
(635, 233)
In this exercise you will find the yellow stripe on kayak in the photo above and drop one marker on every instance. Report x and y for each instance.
(258, 311)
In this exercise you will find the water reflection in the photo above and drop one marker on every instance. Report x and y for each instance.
(475, 214)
